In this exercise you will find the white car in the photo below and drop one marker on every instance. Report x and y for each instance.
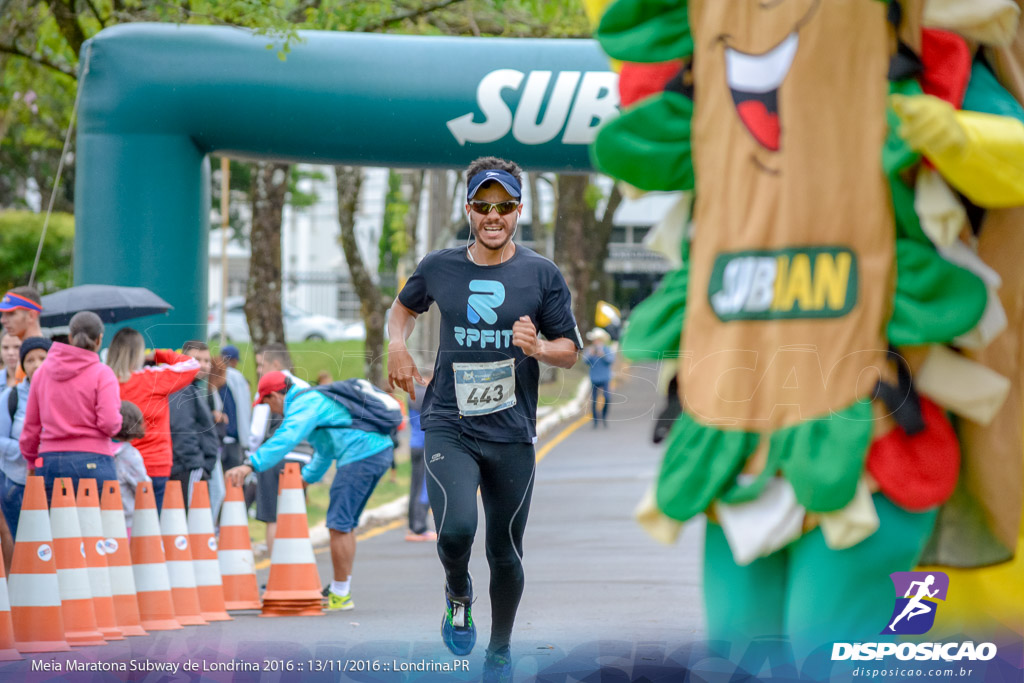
(298, 325)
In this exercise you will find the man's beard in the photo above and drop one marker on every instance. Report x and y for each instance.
(477, 230)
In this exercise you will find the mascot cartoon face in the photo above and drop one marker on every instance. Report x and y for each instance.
(788, 129)
(757, 63)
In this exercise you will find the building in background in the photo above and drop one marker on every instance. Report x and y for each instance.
(314, 272)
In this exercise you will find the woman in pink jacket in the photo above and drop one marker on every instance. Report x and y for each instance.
(74, 408)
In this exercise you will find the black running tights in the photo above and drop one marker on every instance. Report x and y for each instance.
(457, 465)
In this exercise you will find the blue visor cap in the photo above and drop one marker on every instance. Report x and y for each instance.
(507, 180)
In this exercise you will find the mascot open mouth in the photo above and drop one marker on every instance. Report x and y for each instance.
(754, 82)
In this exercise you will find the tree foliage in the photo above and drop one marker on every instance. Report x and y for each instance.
(40, 41)
(19, 239)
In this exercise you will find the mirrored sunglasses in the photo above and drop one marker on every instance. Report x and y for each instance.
(484, 208)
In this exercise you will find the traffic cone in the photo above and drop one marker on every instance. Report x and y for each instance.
(91, 525)
(34, 591)
(204, 555)
(119, 561)
(234, 553)
(72, 575)
(293, 588)
(179, 558)
(152, 584)
(7, 651)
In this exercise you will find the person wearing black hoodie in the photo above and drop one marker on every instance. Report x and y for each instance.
(194, 438)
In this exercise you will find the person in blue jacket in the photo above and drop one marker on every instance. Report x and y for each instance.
(600, 357)
(362, 459)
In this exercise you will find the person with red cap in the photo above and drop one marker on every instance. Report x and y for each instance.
(272, 357)
(19, 315)
(19, 312)
(362, 456)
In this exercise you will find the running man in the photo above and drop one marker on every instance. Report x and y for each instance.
(916, 607)
(480, 408)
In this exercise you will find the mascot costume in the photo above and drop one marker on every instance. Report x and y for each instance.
(845, 322)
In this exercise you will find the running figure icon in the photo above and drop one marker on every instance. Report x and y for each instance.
(917, 606)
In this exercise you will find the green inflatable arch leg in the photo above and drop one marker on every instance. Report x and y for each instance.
(158, 99)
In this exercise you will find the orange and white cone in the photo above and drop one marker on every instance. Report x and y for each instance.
(119, 561)
(7, 651)
(204, 555)
(234, 553)
(91, 525)
(152, 584)
(293, 588)
(179, 558)
(34, 591)
(72, 574)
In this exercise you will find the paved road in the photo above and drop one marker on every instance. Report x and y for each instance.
(598, 590)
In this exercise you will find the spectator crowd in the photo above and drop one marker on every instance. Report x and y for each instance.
(137, 415)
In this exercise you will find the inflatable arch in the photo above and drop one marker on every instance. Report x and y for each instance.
(158, 99)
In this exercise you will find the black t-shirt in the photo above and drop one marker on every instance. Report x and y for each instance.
(479, 305)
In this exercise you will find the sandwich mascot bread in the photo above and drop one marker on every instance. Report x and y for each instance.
(845, 323)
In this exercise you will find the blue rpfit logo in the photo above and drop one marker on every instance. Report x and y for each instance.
(487, 296)
(914, 612)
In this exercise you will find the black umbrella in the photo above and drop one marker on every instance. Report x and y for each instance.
(111, 303)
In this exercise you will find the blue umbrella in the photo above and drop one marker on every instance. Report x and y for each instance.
(111, 303)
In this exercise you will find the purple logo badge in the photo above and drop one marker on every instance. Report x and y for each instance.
(916, 593)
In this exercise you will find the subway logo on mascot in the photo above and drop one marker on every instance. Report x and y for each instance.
(801, 282)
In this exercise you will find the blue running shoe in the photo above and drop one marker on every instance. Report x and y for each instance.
(498, 666)
(457, 628)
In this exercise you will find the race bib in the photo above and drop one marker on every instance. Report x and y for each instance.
(485, 388)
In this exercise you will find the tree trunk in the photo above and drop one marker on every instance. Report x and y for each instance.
(581, 244)
(64, 15)
(349, 180)
(263, 290)
(573, 220)
(443, 195)
(540, 231)
(600, 282)
(543, 232)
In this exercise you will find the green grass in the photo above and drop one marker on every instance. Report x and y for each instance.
(563, 389)
(342, 360)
